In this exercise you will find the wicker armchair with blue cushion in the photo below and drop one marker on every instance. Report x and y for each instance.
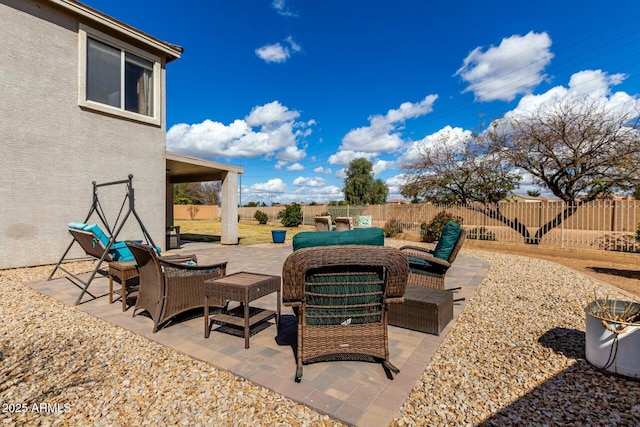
(340, 285)
(428, 267)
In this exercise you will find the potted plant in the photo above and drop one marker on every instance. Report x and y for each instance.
(612, 336)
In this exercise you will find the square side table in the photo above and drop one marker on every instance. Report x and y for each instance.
(243, 287)
(124, 271)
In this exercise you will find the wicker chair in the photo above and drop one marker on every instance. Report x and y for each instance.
(169, 287)
(340, 296)
(344, 223)
(427, 267)
(323, 223)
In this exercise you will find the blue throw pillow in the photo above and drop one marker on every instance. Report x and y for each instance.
(447, 241)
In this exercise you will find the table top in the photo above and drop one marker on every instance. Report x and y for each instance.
(123, 265)
(242, 286)
(243, 278)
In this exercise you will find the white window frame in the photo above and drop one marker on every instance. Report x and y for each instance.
(85, 32)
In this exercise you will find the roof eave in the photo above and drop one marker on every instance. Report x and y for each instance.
(170, 51)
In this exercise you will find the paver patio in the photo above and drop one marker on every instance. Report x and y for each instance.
(356, 393)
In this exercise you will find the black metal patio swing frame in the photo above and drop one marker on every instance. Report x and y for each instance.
(111, 232)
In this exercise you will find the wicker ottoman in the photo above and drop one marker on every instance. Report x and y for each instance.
(424, 309)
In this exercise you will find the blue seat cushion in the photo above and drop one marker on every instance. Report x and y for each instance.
(77, 225)
(365, 236)
(448, 240)
(97, 231)
(118, 251)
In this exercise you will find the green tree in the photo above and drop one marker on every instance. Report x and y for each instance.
(359, 186)
(379, 193)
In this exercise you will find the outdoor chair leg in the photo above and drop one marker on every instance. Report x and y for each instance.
(299, 374)
(390, 367)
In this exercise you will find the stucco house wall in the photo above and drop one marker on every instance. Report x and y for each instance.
(51, 149)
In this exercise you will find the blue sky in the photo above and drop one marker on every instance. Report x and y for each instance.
(293, 90)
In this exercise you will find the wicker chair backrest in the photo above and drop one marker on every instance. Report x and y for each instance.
(151, 278)
(297, 266)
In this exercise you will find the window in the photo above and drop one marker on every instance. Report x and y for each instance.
(118, 79)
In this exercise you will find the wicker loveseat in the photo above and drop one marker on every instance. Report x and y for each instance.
(170, 287)
(340, 293)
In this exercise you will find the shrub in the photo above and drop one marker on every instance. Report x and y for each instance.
(291, 216)
(183, 201)
(481, 233)
(435, 227)
(193, 211)
(392, 227)
(261, 217)
(618, 243)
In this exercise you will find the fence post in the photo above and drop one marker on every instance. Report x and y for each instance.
(562, 227)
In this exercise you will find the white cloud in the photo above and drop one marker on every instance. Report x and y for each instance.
(343, 158)
(271, 113)
(282, 8)
(594, 83)
(382, 133)
(448, 135)
(309, 182)
(275, 185)
(273, 53)
(268, 130)
(382, 165)
(294, 46)
(513, 68)
(278, 52)
(291, 154)
(320, 169)
(295, 167)
(395, 185)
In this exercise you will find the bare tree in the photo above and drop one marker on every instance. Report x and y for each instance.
(465, 172)
(458, 171)
(210, 192)
(199, 193)
(580, 150)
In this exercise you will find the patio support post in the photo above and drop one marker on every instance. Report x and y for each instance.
(229, 214)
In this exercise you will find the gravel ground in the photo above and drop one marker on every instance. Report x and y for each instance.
(514, 357)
